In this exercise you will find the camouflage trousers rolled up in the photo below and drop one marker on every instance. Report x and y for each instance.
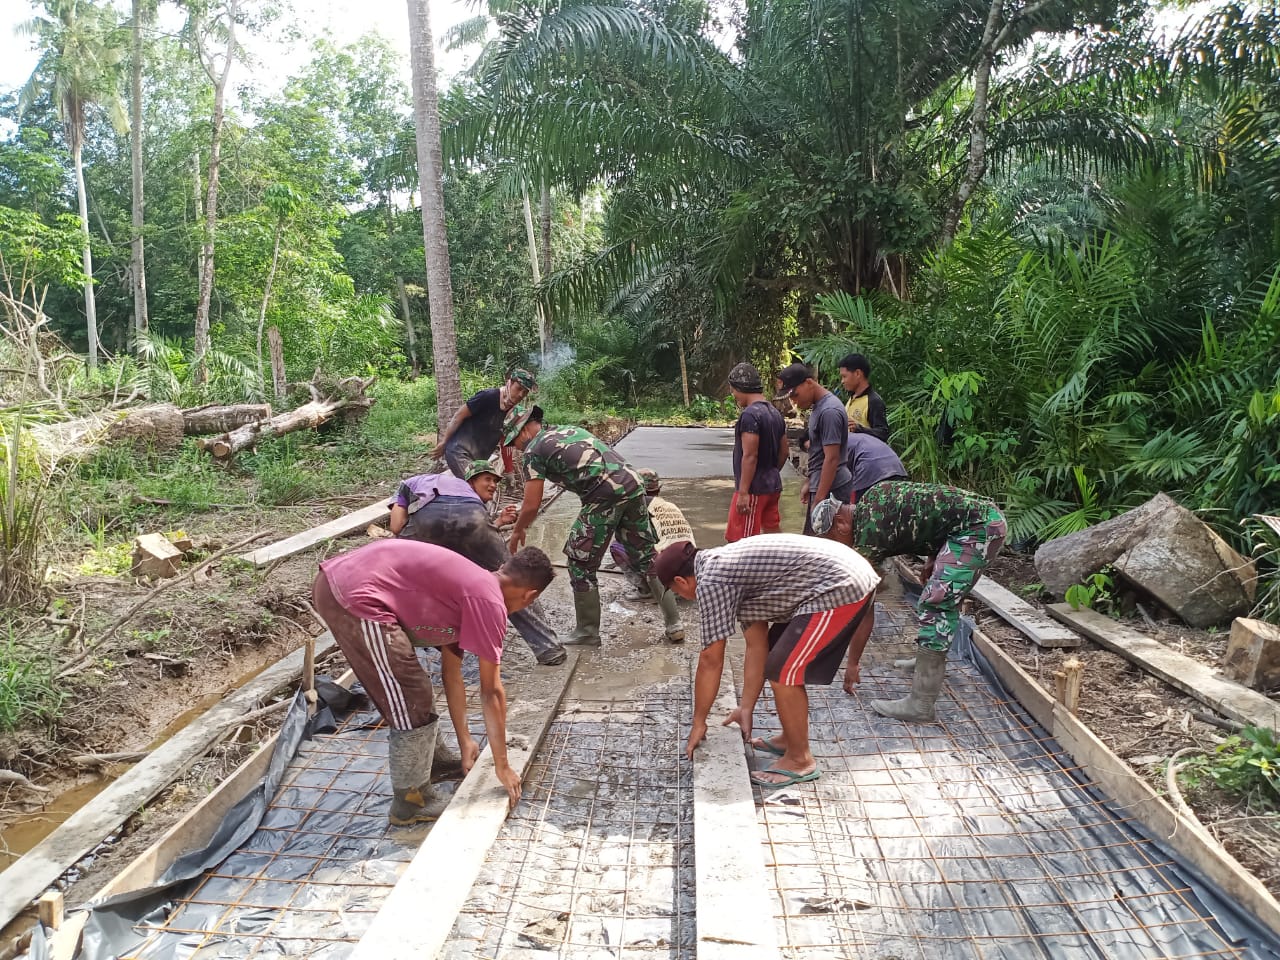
(956, 569)
(625, 521)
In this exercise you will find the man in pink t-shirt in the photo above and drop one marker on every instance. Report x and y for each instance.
(384, 599)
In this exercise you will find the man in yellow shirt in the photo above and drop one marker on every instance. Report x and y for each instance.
(865, 408)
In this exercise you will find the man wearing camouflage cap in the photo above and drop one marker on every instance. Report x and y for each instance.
(613, 506)
(476, 429)
(959, 531)
(439, 508)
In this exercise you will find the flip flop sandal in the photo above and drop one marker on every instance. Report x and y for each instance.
(766, 746)
(791, 777)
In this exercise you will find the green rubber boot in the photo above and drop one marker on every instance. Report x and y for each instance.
(586, 608)
(409, 755)
(918, 705)
(670, 615)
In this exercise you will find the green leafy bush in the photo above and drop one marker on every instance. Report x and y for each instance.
(1247, 765)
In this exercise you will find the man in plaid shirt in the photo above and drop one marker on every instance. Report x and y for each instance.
(802, 602)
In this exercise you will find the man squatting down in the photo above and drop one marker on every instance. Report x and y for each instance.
(439, 508)
(384, 599)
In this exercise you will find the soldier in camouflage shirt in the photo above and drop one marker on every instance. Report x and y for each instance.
(960, 532)
(613, 506)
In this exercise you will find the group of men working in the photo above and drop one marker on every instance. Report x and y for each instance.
(450, 579)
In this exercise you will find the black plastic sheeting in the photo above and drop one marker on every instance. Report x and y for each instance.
(973, 837)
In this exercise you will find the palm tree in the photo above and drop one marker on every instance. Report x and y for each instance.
(78, 68)
(426, 116)
(143, 10)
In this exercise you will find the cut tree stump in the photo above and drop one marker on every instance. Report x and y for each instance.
(310, 415)
(1164, 549)
(155, 556)
(219, 418)
(1253, 654)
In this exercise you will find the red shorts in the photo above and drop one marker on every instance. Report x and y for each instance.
(763, 514)
(809, 648)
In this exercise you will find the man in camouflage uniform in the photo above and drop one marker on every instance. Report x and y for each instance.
(959, 531)
(613, 505)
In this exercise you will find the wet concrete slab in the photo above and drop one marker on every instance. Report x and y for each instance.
(680, 451)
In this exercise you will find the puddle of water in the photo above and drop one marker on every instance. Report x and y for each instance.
(18, 838)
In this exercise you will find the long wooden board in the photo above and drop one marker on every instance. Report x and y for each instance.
(1178, 670)
(1133, 794)
(415, 920)
(736, 902)
(307, 539)
(27, 878)
(1014, 610)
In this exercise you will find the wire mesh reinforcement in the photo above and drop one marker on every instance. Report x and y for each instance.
(975, 837)
(597, 860)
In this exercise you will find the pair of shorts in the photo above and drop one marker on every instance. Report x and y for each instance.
(808, 649)
(762, 515)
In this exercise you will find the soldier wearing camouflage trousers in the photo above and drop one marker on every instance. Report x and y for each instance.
(960, 532)
(613, 506)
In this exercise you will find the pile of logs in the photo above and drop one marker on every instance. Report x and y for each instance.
(162, 426)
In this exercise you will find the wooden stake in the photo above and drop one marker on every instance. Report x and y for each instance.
(1073, 673)
(309, 674)
(51, 909)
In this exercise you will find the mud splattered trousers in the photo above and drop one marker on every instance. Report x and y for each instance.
(463, 526)
(383, 658)
(956, 569)
(626, 521)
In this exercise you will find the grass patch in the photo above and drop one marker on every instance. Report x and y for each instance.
(29, 692)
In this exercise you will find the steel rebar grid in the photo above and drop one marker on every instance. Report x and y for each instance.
(597, 860)
(972, 837)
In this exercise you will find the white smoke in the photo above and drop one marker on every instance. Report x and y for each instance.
(557, 357)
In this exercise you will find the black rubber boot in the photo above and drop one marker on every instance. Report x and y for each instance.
(409, 756)
(918, 705)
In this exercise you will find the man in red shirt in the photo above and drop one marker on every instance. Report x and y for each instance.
(384, 599)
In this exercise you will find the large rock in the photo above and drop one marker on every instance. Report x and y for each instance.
(1164, 549)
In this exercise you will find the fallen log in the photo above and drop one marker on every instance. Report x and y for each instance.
(309, 415)
(219, 418)
(157, 426)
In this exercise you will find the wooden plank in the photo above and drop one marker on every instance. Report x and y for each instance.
(1178, 670)
(736, 905)
(1133, 795)
(1014, 610)
(445, 867)
(26, 879)
(307, 539)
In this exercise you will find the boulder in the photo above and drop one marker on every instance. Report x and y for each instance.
(1164, 549)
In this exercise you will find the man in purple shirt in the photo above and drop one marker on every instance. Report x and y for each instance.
(440, 508)
(382, 600)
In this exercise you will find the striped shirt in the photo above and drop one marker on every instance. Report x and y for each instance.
(775, 578)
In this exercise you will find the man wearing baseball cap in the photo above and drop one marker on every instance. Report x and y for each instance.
(760, 450)
(802, 603)
(959, 531)
(828, 438)
(439, 508)
(476, 429)
(613, 506)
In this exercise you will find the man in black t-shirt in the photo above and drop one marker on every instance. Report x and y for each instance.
(476, 429)
(759, 452)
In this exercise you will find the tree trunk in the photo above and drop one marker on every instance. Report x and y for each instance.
(309, 415)
(684, 369)
(156, 426)
(90, 306)
(219, 79)
(266, 295)
(426, 116)
(544, 223)
(536, 269)
(217, 418)
(410, 335)
(137, 261)
(197, 190)
(276, 346)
